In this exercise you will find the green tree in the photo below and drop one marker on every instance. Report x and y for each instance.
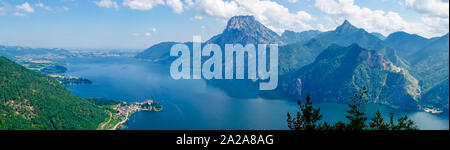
(403, 123)
(30, 100)
(357, 111)
(339, 126)
(307, 118)
(378, 122)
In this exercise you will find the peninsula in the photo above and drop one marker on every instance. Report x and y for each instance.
(121, 112)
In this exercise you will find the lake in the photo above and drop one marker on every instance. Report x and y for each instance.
(195, 105)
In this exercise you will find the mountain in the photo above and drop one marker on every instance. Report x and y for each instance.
(240, 29)
(12, 52)
(158, 52)
(293, 56)
(347, 34)
(290, 37)
(437, 46)
(378, 35)
(431, 63)
(338, 72)
(437, 97)
(333, 65)
(406, 44)
(29, 100)
(246, 30)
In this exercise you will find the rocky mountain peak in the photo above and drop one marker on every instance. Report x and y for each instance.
(246, 30)
(346, 27)
(242, 22)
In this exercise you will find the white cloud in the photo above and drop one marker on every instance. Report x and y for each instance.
(41, 5)
(2, 9)
(144, 34)
(65, 8)
(436, 8)
(21, 9)
(217, 8)
(25, 7)
(142, 4)
(106, 4)
(189, 3)
(19, 14)
(376, 20)
(269, 13)
(435, 16)
(176, 5)
(436, 25)
(292, 1)
(197, 17)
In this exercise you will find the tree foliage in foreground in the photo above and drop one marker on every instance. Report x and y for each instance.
(403, 123)
(357, 111)
(308, 118)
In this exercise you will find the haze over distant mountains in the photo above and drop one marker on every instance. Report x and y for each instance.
(399, 70)
(12, 52)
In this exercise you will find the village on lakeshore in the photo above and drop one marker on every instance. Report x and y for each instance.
(130, 108)
(121, 112)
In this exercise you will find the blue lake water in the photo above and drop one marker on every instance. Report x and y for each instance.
(195, 105)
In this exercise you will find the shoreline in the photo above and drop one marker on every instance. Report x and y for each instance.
(121, 122)
(433, 111)
(124, 110)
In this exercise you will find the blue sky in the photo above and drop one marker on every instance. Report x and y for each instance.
(138, 24)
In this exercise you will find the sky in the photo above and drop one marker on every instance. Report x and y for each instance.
(138, 24)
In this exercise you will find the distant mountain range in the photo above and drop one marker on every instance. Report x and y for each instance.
(406, 44)
(378, 35)
(12, 52)
(290, 37)
(431, 63)
(157, 53)
(240, 30)
(401, 70)
(347, 34)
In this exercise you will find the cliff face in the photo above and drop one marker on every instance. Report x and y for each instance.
(240, 30)
(246, 30)
(334, 73)
(338, 73)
